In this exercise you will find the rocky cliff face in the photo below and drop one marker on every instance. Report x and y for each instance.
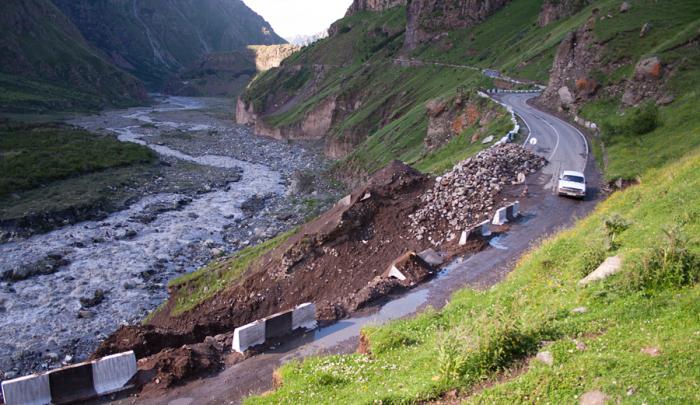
(553, 10)
(569, 81)
(271, 56)
(155, 38)
(448, 118)
(373, 5)
(39, 44)
(580, 60)
(428, 19)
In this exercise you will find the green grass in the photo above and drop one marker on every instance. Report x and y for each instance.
(482, 334)
(218, 275)
(35, 155)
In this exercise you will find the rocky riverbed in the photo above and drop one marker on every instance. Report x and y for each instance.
(64, 291)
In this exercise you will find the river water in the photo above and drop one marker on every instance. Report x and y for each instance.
(131, 261)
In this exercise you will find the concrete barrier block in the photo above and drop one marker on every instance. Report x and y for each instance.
(396, 273)
(278, 325)
(112, 373)
(29, 390)
(72, 383)
(513, 211)
(304, 316)
(248, 335)
(463, 238)
(483, 229)
(500, 217)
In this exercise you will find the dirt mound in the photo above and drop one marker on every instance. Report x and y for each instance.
(173, 366)
(467, 195)
(341, 261)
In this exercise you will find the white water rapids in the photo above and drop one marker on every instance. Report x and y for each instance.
(41, 312)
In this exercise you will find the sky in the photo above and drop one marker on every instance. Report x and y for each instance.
(299, 17)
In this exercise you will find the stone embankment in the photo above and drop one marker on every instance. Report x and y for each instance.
(467, 194)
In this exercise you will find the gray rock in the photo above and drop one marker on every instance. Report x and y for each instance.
(625, 7)
(593, 398)
(96, 299)
(545, 357)
(645, 30)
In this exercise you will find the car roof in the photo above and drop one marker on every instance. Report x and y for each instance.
(572, 173)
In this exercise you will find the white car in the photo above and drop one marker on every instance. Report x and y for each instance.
(572, 184)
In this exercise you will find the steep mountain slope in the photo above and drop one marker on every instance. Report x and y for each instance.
(352, 91)
(363, 90)
(45, 64)
(541, 336)
(154, 38)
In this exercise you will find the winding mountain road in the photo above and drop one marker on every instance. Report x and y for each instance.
(543, 213)
(561, 143)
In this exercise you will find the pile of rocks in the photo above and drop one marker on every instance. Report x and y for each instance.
(466, 195)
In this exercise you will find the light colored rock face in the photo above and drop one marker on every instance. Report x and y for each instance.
(565, 95)
(545, 357)
(317, 122)
(610, 266)
(373, 5)
(271, 56)
(430, 19)
(593, 398)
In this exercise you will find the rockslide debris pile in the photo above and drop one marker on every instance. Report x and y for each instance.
(466, 195)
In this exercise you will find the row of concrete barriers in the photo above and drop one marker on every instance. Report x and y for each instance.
(274, 326)
(501, 91)
(79, 382)
(507, 213)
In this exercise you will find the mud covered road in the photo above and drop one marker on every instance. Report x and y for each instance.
(543, 213)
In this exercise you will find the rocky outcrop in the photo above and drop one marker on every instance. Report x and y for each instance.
(646, 83)
(553, 10)
(315, 125)
(373, 5)
(580, 59)
(449, 118)
(570, 80)
(271, 56)
(432, 19)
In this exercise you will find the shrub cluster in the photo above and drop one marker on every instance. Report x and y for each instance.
(638, 121)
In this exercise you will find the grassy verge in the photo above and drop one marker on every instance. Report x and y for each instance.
(652, 303)
(219, 274)
(34, 155)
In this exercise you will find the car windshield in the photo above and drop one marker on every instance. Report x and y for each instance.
(575, 179)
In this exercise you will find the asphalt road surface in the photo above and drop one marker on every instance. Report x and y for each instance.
(562, 144)
(543, 214)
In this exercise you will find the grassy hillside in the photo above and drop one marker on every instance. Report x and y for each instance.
(34, 155)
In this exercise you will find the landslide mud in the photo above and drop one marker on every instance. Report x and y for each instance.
(330, 262)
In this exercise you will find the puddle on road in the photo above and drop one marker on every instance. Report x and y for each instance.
(497, 242)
